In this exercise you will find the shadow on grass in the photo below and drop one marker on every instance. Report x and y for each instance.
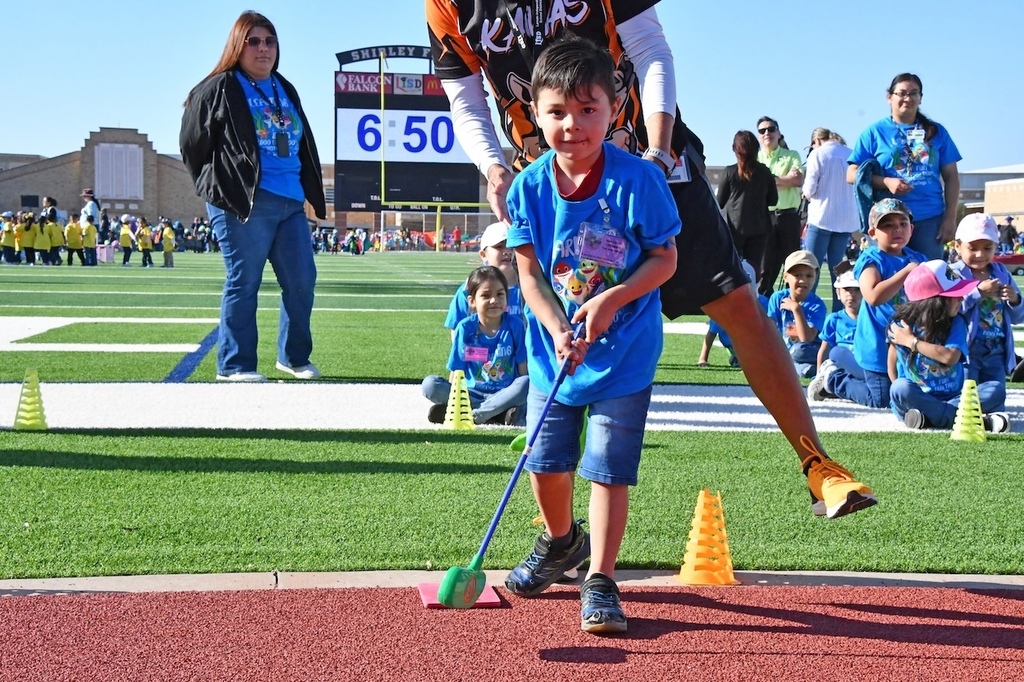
(88, 461)
(490, 437)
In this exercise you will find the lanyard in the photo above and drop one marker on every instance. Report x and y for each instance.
(276, 102)
(529, 55)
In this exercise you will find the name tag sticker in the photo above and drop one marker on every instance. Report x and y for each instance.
(476, 354)
(603, 245)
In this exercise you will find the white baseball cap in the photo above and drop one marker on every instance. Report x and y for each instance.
(494, 234)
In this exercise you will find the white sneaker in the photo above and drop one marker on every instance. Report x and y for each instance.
(304, 372)
(816, 390)
(242, 377)
(996, 422)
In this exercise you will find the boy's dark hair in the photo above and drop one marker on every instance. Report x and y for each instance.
(931, 315)
(483, 274)
(573, 66)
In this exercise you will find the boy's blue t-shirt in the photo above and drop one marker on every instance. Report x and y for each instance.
(716, 328)
(814, 311)
(902, 153)
(489, 362)
(839, 330)
(929, 374)
(278, 174)
(643, 215)
(458, 309)
(870, 347)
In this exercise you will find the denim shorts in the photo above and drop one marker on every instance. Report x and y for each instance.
(615, 436)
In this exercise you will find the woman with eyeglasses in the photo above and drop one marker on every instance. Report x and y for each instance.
(918, 162)
(249, 149)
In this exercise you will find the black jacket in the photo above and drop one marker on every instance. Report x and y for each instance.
(746, 202)
(219, 147)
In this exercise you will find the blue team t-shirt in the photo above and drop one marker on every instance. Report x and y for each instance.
(929, 374)
(278, 174)
(902, 153)
(458, 309)
(870, 347)
(814, 311)
(583, 248)
(839, 330)
(489, 362)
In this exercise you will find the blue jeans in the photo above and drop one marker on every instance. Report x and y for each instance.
(844, 359)
(925, 233)
(277, 231)
(871, 390)
(827, 246)
(485, 405)
(939, 409)
(615, 437)
(805, 357)
(90, 255)
(988, 366)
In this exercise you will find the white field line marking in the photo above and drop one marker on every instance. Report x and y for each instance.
(171, 294)
(16, 328)
(189, 307)
(295, 405)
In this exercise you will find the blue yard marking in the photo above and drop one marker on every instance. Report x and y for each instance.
(190, 362)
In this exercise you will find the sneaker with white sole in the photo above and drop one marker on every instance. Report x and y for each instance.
(818, 388)
(830, 483)
(996, 422)
(546, 565)
(914, 419)
(304, 372)
(242, 377)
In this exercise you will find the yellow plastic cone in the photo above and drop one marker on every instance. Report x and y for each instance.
(968, 424)
(707, 560)
(459, 414)
(30, 416)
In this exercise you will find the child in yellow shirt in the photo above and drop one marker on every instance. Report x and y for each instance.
(144, 239)
(73, 238)
(167, 240)
(88, 226)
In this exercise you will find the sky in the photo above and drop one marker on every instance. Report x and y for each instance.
(804, 63)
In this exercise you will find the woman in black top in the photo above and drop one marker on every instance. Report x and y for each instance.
(746, 191)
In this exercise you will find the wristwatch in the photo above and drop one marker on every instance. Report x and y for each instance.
(663, 156)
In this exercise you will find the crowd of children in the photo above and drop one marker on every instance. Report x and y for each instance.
(910, 330)
(41, 240)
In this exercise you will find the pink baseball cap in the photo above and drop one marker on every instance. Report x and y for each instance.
(936, 278)
(977, 226)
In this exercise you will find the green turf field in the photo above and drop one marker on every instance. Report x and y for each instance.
(139, 501)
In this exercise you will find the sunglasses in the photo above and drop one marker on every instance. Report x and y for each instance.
(254, 41)
(767, 129)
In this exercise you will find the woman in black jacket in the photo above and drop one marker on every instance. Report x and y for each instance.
(746, 191)
(247, 145)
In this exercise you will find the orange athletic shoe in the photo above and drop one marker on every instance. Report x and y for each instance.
(834, 488)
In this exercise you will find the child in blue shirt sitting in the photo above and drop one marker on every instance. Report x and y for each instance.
(493, 251)
(798, 312)
(927, 351)
(837, 333)
(490, 348)
(881, 271)
(992, 307)
(594, 231)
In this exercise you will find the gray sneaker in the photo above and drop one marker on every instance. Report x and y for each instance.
(544, 566)
(600, 608)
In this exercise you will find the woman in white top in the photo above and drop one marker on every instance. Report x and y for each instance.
(831, 209)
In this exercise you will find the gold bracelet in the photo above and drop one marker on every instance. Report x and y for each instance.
(913, 346)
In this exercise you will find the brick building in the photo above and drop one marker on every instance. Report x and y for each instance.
(119, 164)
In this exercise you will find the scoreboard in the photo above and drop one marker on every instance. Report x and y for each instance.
(414, 137)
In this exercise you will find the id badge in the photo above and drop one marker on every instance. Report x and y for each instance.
(475, 354)
(916, 135)
(603, 245)
(281, 142)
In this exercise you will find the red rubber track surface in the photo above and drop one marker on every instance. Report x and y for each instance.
(737, 633)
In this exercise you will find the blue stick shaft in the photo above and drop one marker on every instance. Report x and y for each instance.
(562, 372)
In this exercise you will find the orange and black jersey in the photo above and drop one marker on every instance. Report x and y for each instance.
(467, 36)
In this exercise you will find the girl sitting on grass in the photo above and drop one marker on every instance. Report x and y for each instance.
(928, 349)
(489, 347)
